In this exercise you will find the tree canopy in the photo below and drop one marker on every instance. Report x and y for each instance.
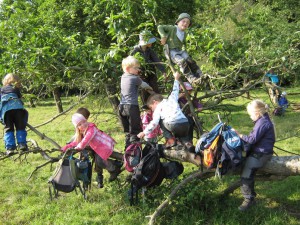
(56, 44)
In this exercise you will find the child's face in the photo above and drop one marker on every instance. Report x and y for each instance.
(153, 105)
(135, 70)
(183, 24)
(82, 126)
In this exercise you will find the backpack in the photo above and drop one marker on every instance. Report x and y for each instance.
(231, 155)
(148, 173)
(221, 148)
(68, 174)
(132, 156)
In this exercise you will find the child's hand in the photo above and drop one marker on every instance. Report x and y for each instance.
(163, 40)
(176, 75)
(141, 135)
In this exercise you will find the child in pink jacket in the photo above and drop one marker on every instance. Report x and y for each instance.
(146, 118)
(87, 134)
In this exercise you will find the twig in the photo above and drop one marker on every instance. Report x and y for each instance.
(164, 204)
(40, 166)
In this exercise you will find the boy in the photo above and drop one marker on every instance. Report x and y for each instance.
(129, 111)
(152, 62)
(175, 38)
(167, 113)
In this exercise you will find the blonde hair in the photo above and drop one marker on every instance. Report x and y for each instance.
(129, 61)
(257, 107)
(78, 135)
(11, 79)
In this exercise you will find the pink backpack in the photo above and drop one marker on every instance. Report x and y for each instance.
(132, 156)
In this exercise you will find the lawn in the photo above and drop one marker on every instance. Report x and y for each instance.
(24, 201)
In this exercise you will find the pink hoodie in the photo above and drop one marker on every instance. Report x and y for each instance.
(99, 141)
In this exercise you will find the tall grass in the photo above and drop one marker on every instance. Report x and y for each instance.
(25, 201)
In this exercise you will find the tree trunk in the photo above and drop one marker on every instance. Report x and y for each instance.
(56, 95)
(111, 92)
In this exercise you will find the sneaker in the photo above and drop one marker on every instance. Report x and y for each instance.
(10, 151)
(171, 142)
(23, 147)
(247, 203)
(114, 175)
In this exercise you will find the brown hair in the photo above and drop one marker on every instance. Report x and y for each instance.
(84, 111)
(154, 97)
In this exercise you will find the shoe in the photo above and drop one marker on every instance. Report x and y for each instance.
(114, 175)
(23, 147)
(247, 203)
(171, 142)
(10, 151)
(195, 81)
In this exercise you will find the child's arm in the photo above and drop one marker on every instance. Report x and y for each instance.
(89, 135)
(163, 31)
(69, 145)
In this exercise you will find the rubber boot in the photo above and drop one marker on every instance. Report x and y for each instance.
(100, 180)
(21, 139)
(9, 140)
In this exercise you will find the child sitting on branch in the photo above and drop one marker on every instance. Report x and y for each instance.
(175, 37)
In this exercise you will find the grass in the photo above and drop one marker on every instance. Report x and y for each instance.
(25, 201)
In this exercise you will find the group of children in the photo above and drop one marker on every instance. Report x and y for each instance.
(160, 113)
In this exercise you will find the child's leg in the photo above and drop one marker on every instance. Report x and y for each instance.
(20, 123)
(99, 170)
(196, 71)
(9, 136)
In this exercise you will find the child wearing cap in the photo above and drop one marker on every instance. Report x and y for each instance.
(186, 109)
(129, 111)
(146, 118)
(167, 114)
(175, 37)
(152, 61)
(87, 134)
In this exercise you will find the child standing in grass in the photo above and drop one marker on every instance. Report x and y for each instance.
(129, 111)
(13, 115)
(261, 139)
(87, 134)
(175, 37)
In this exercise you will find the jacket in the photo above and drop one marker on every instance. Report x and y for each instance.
(169, 31)
(167, 110)
(100, 142)
(262, 137)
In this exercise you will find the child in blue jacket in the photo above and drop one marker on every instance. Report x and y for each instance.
(13, 115)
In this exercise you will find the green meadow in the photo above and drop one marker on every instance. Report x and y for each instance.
(24, 201)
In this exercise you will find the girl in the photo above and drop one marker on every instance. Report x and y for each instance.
(87, 134)
(13, 114)
(261, 139)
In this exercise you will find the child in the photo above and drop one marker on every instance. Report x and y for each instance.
(167, 114)
(151, 61)
(283, 102)
(175, 38)
(102, 144)
(129, 111)
(146, 119)
(183, 103)
(13, 114)
(261, 139)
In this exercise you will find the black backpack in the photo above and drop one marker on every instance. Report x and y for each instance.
(149, 172)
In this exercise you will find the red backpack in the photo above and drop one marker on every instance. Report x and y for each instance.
(132, 156)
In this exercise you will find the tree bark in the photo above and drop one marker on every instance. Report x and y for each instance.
(58, 102)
